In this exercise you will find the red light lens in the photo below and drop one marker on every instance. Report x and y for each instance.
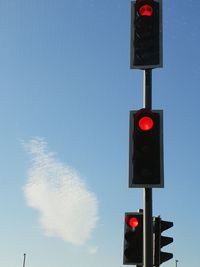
(146, 123)
(133, 222)
(146, 10)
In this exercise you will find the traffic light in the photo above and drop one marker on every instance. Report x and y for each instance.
(146, 34)
(133, 238)
(161, 241)
(146, 149)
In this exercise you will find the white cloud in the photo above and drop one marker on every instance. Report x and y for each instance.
(92, 250)
(66, 208)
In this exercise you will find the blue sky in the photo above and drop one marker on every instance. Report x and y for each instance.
(65, 95)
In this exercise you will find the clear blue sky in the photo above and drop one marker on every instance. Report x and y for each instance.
(66, 88)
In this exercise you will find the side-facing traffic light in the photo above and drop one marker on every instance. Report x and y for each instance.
(146, 149)
(161, 241)
(133, 238)
(146, 34)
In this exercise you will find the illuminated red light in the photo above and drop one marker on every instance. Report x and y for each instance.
(146, 123)
(133, 222)
(146, 10)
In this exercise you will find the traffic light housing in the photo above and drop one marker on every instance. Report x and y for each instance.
(146, 34)
(161, 241)
(133, 239)
(146, 149)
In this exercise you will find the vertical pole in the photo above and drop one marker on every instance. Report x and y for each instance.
(24, 260)
(148, 226)
(147, 94)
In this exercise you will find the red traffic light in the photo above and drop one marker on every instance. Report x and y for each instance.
(146, 11)
(132, 222)
(145, 123)
(133, 239)
(146, 148)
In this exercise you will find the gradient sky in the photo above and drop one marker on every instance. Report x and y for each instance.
(65, 95)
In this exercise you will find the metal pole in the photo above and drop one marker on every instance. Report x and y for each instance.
(148, 227)
(176, 263)
(24, 260)
(147, 94)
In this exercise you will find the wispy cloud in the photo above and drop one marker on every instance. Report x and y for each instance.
(67, 209)
(92, 250)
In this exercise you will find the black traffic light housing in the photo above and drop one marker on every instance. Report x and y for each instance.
(133, 239)
(146, 34)
(146, 149)
(161, 241)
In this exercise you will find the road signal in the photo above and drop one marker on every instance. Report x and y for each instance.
(133, 238)
(161, 241)
(146, 34)
(146, 149)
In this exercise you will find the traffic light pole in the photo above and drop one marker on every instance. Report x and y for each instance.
(148, 227)
(147, 97)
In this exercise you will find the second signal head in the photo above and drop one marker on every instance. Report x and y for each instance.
(146, 148)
